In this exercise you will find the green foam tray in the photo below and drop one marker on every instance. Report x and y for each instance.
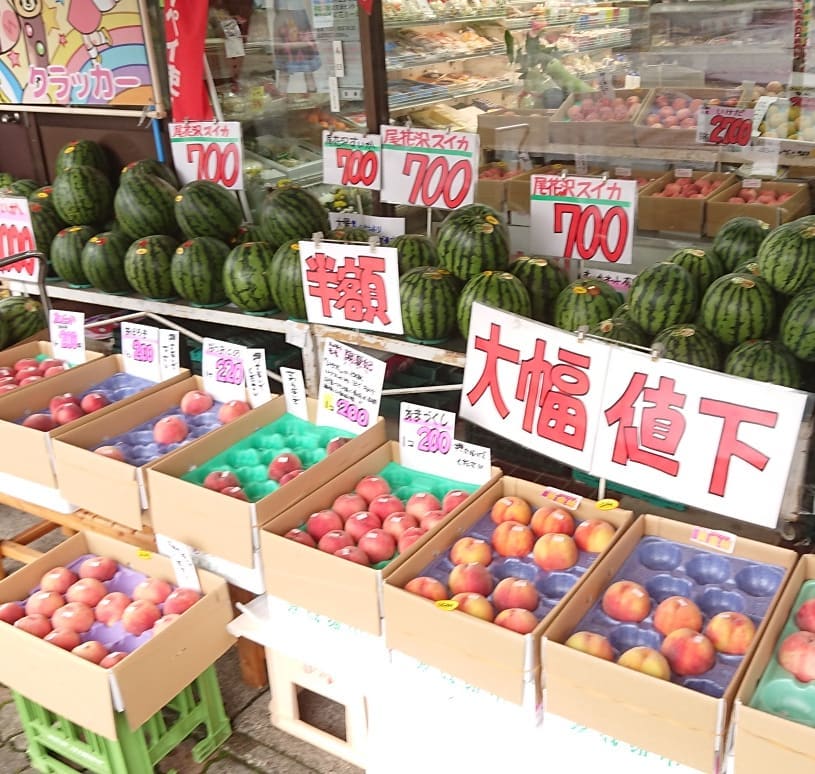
(778, 692)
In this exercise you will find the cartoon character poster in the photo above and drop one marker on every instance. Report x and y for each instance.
(73, 52)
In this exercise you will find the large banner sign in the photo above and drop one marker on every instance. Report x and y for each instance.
(73, 52)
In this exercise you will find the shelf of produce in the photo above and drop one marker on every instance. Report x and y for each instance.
(406, 62)
(451, 95)
(719, 7)
(398, 23)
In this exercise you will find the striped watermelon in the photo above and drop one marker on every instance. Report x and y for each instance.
(623, 331)
(737, 307)
(544, 279)
(82, 153)
(662, 295)
(429, 300)
(797, 328)
(6, 179)
(197, 271)
(147, 266)
(472, 240)
(103, 261)
(786, 258)
(585, 302)
(764, 361)
(144, 205)
(22, 317)
(205, 209)
(44, 196)
(247, 278)
(689, 343)
(247, 232)
(83, 196)
(4, 333)
(748, 267)
(622, 312)
(287, 281)
(699, 265)
(496, 288)
(149, 167)
(45, 224)
(66, 254)
(738, 240)
(414, 250)
(349, 234)
(289, 213)
(21, 187)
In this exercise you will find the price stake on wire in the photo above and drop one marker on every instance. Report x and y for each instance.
(721, 125)
(586, 218)
(223, 371)
(208, 150)
(428, 167)
(141, 348)
(352, 159)
(426, 437)
(67, 332)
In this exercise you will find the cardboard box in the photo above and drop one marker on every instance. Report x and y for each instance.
(519, 188)
(720, 210)
(684, 725)
(761, 741)
(222, 526)
(33, 348)
(32, 454)
(517, 129)
(342, 590)
(483, 654)
(147, 679)
(562, 130)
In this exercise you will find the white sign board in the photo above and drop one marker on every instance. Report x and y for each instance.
(208, 150)
(294, 390)
(17, 236)
(67, 332)
(386, 229)
(352, 159)
(223, 371)
(141, 350)
(256, 378)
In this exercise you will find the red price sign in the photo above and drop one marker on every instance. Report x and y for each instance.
(204, 150)
(582, 217)
(352, 159)
(725, 126)
(16, 236)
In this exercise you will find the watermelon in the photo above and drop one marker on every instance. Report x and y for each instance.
(737, 307)
(622, 312)
(764, 361)
(147, 266)
(738, 240)
(689, 343)
(205, 209)
(623, 331)
(66, 254)
(6, 179)
(786, 258)
(699, 265)
(247, 232)
(197, 271)
(797, 328)
(247, 278)
(45, 223)
(350, 234)
(82, 153)
(748, 267)
(43, 196)
(144, 205)
(4, 333)
(429, 298)
(150, 167)
(472, 240)
(414, 250)
(286, 279)
(83, 196)
(22, 317)
(585, 302)
(289, 213)
(103, 261)
(662, 295)
(21, 187)
(543, 279)
(496, 288)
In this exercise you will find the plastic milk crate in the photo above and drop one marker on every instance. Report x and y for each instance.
(58, 746)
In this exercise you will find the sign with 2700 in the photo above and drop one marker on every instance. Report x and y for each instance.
(208, 150)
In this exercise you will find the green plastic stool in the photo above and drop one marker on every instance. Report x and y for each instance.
(58, 746)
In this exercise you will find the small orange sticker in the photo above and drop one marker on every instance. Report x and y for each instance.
(446, 604)
(143, 553)
(608, 504)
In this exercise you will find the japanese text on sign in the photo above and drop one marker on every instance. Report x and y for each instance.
(383, 228)
(351, 286)
(425, 436)
(257, 380)
(725, 125)
(17, 236)
(583, 217)
(210, 151)
(67, 331)
(294, 390)
(223, 370)
(140, 347)
(352, 159)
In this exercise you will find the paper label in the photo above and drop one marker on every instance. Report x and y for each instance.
(470, 463)
(384, 228)
(294, 391)
(339, 63)
(352, 159)
(141, 350)
(716, 539)
(168, 353)
(233, 40)
(180, 554)
(223, 370)
(257, 380)
(67, 331)
(426, 437)
(562, 498)
(17, 236)
(208, 150)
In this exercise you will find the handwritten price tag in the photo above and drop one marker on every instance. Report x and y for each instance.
(257, 380)
(725, 126)
(428, 168)
(583, 217)
(67, 335)
(425, 436)
(140, 347)
(17, 236)
(470, 463)
(352, 159)
(350, 388)
(180, 554)
(204, 150)
(294, 390)
(169, 364)
(223, 371)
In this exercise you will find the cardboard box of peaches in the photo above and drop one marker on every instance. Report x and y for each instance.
(773, 202)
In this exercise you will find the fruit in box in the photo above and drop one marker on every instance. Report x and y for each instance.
(100, 567)
(236, 492)
(11, 612)
(384, 505)
(517, 620)
(180, 600)
(378, 545)
(58, 579)
(75, 616)
(348, 504)
(730, 632)
(196, 402)
(66, 413)
(475, 605)
(591, 643)
(139, 616)
(232, 410)
(420, 504)
(300, 536)
(67, 639)
(555, 551)
(471, 577)
(42, 422)
(110, 608)
(765, 196)
(453, 499)
(113, 452)
(805, 617)
(516, 593)
(513, 539)
(282, 464)
(646, 660)
(429, 588)
(626, 601)
(172, 429)
(688, 652)
(153, 590)
(218, 480)
(87, 590)
(353, 554)
(547, 519)
(677, 613)
(470, 549)
(409, 537)
(91, 650)
(44, 602)
(687, 188)
(371, 487)
(431, 519)
(36, 624)
(321, 522)
(93, 401)
(797, 655)
(602, 108)
(334, 540)
(395, 524)
(678, 111)
(511, 508)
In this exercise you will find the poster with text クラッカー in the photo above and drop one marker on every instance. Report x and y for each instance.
(73, 52)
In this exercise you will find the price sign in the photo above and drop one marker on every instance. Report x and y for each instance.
(470, 463)
(141, 350)
(428, 167)
(294, 390)
(257, 380)
(386, 229)
(352, 159)
(67, 335)
(617, 279)
(426, 436)
(223, 370)
(208, 150)
(764, 157)
(350, 388)
(168, 353)
(583, 217)
(180, 554)
(17, 236)
(725, 126)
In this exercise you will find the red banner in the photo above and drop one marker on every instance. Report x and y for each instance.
(185, 26)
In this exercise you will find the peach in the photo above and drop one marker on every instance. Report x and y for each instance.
(677, 613)
(92, 651)
(112, 659)
(87, 590)
(110, 608)
(58, 579)
(431, 519)
(93, 401)
(385, 505)
(36, 624)
(321, 522)
(452, 500)
(172, 429)
(67, 639)
(113, 452)
(49, 362)
(516, 592)
(61, 400)
(512, 539)
(626, 601)
(378, 545)
(796, 654)
(218, 480)
(76, 616)
(804, 617)
(516, 619)
(66, 413)
(475, 605)
(371, 487)
(336, 443)
(511, 508)
(593, 535)
(420, 503)
(41, 422)
(688, 652)
(100, 567)
(25, 373)
(164, 622)
(427, 587)
(353, 554)
(334, 540)
(471, 577)
(282, 464)
(25, 362)
(591, 643)
(395, 524)
(4, 388)
(646, 660)
(361, 522)
(233, 409)
(53, 371)
(348, 504)
(301, 536)
(153, 590)
(547, 519)
(236, 492)
(471, 549)
(180, 600)
(44, 602)
(30, 380)
(286, 477)
(11, 612)
(139, 616)
(196, 402)
(730, 632)
(409, 537)
(555, 551)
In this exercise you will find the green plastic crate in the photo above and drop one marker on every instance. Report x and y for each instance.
(58, 746)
